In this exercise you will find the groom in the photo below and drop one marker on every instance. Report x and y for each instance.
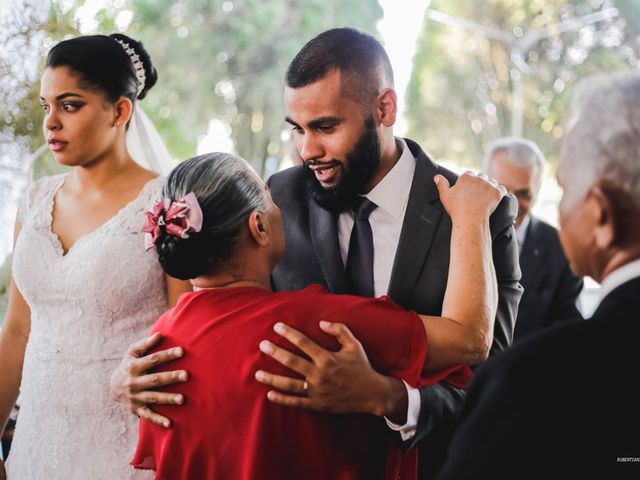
(342, 107)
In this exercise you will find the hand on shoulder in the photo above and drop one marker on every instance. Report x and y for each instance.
(473, 196)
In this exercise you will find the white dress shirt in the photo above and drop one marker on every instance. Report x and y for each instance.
(619, 276)
(391, 195)
(521, 232)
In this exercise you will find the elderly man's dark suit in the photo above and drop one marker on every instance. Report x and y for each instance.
(418, 278)
(562, 403)
(550, 289)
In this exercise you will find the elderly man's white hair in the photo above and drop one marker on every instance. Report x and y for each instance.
(603, 143)
(521, 152)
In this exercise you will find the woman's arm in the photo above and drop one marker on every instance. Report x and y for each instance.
(13, 341)
(464, 332)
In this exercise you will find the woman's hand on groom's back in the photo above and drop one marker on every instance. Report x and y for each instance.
(133, 382)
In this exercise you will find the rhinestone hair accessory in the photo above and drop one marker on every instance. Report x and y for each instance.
(138, 66)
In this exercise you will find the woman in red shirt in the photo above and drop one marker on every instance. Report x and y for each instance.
(217, 224)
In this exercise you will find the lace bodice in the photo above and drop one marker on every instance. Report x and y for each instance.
(87, 306)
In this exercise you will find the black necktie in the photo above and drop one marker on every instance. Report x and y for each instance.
(360, 255)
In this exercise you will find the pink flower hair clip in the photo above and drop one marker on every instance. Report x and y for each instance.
(178, 218)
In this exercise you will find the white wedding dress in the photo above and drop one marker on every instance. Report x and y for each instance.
(87, 306)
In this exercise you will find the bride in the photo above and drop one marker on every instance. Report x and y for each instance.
(83, 285)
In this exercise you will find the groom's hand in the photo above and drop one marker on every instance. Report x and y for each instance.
(336, 382)
(133, 385)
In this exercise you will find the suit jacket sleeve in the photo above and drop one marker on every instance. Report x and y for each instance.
(505, 260)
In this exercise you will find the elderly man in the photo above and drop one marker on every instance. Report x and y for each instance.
(562, 403)
(550, 289)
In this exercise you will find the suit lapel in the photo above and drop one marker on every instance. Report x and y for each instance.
(419, 226)
(532, 254)
(324, 237)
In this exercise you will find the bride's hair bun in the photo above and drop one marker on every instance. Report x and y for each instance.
(150, 73)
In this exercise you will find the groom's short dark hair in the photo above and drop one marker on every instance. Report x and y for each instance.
(360, 58)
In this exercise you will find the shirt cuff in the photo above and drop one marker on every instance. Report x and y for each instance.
(408, 430)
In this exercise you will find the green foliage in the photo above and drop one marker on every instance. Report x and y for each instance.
(20, 109)
(225, 60)
(459, 97)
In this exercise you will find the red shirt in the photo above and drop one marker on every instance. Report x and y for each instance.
(228, 429)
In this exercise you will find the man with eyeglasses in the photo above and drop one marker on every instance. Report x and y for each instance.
(550, 289)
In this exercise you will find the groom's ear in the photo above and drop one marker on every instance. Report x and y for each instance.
(259, 228)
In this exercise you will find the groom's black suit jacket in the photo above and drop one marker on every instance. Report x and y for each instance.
(562, 403)
(418, 277)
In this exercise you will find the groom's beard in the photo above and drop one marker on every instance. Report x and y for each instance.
(361, 165)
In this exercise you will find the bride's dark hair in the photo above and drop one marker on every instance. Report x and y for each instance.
(102, 64)
(227, 191)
